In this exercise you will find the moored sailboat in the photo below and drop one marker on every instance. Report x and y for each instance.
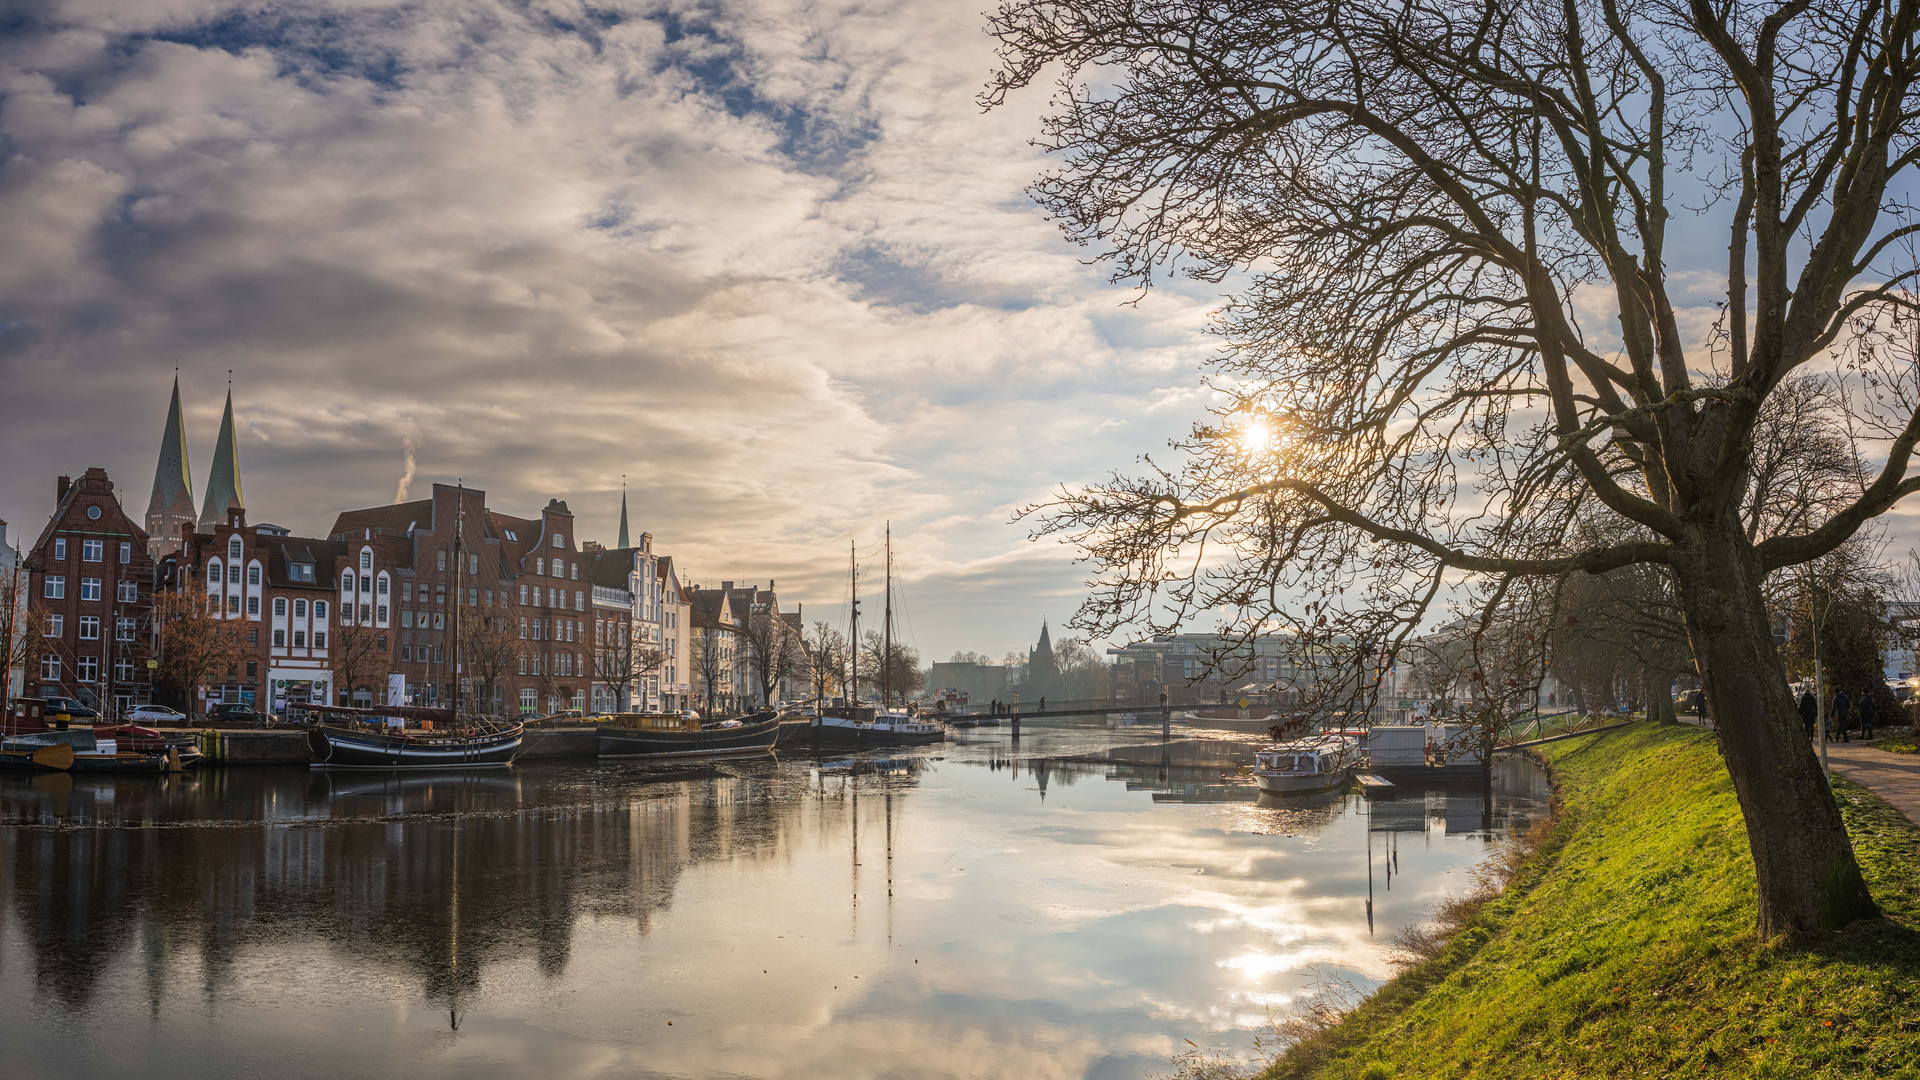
(857, 725)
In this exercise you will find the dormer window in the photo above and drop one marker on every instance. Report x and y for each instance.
(512, 537)
(300, 571)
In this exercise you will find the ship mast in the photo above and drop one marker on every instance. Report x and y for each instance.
(886, 632)
(853, 642)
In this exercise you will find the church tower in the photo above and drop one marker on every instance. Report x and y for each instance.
(172, 503)
(623, 519)
(1041, 670)
(223, 484)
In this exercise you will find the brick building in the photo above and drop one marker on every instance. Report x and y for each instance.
(528, 571)
(91, 580)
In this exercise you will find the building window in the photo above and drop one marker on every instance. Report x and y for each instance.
(382, 588)
(123, 670)
(126, 552)
(320, 640)
(57, 626)
(529, 700)
(439, 655)
(536, 596)
(523, 665)
(253, 574)
(440, 594)
(233, 605)
(92, 550)
(233, 547)
(523, 628)
(123, 629)
(56, 587)
(523, 594)
(253, 669)
(50, 667)
(60, 549)
(89, 588)
(366, 558)
(406, 618)
(406, 654)
(380, 614)
(253, 606)
(559, 540)
(366, 584)
(299, 609)
(233, 574)
(440, 559)
(299, 639)
(439, 621)
(87, 668)
(279, 639)
(279, 607)
(253, 635)
(320, 610)
(213, 572)
(366, 613)
(488, 599)
(579, 601)
(346, 582)
(573, 571)
(89, 628)
(128, 591)
(406, 590)
(540, 566)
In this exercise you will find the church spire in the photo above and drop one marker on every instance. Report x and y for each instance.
(172, 503)
(223, 484)
(623, 516)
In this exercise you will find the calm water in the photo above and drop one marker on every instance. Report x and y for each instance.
(1073, 908)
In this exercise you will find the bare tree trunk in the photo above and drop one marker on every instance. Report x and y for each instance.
(1658, 688)
(1808, 879)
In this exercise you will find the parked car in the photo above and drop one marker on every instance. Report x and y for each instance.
(235, 712)
(155, 714)
(73, 708)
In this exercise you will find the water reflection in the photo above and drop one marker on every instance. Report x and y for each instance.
(1073, 908)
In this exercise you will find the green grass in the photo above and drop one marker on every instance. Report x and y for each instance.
(1624, 947)
(1902, 741)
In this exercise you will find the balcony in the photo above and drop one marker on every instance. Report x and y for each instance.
(613, 597)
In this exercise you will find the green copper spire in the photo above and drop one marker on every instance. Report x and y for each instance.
(171, 478)
(223, 484)
(623, 518)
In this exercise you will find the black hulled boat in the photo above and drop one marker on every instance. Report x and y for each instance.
(339, 743)
(748, 735)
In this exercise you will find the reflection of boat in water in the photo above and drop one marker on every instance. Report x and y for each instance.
(1306, 765)
(1120, 720)
(1313, 800)
(751, 735)
(872, 766)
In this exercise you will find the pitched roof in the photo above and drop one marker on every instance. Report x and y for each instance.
(611, 568)
(397, 518)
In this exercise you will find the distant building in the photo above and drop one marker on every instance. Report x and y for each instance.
(91, 577)
(171, 506)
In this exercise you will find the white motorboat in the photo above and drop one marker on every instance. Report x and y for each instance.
(1306, 765)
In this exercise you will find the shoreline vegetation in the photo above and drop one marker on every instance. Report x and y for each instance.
(1623, 945)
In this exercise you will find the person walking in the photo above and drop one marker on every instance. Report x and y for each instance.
(1700, 706)
(1841, 705)
(1866, 713)
(1809, 711)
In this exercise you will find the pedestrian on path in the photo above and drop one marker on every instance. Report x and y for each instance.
(1841, 706)
(1700, 706)
(1809, 711)
(1866, 713)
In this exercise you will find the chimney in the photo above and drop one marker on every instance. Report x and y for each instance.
(726, 586)
(65, 485)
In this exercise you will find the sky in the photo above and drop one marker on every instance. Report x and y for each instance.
(765, 262)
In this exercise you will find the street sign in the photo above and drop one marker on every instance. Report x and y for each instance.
(1244, 703)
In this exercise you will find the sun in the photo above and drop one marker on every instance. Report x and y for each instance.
(1256, 437)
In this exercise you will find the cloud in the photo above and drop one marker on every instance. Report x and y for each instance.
(767, 259)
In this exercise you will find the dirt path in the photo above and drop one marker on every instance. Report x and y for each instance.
(1893, 777)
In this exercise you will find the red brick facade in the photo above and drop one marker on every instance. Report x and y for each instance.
(92, 584)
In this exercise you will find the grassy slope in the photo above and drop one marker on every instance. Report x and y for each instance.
(1625, 948)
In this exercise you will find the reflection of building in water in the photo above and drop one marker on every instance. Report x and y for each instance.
(432, 876)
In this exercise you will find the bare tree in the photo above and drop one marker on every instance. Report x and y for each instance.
(358, 654)
(626, 659)
(826, 655)
(489, 651)
(1427, 193)
(773, 650)
(196, 644)
(711, 663)
(22, 627)
(897, 672)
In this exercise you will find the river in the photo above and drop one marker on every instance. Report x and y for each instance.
(1078, 906)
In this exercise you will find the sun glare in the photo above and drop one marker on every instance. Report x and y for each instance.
(1256, 437)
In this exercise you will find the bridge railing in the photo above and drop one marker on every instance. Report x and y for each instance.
(1032, 706)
